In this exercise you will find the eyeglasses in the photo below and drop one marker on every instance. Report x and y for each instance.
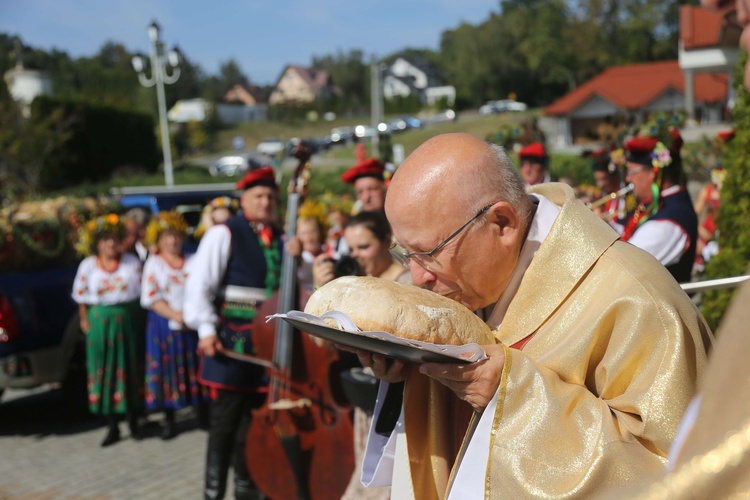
(634, 171)
(427, 259)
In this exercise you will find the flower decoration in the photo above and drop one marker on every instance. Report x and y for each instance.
(316, 210)
(89, 233)
(617, 160)
(171, 220)
(661, 157)
(224, 202)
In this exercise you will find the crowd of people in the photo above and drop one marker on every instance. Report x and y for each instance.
(598, 351)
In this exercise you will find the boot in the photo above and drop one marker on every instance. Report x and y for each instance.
(135, 428)
(216, 476)
(170, 428)
(113, 432)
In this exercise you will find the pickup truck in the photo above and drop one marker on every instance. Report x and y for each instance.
(40, 339)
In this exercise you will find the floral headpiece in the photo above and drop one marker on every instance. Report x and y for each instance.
(316, 210)
(171, 220)
(90, 232)
(224, 202)
(661, 156)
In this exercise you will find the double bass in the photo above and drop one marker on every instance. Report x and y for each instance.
(300, 444)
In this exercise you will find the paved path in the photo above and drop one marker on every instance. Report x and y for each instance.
(47, 454)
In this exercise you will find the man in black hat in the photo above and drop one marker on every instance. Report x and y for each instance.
(236, 267)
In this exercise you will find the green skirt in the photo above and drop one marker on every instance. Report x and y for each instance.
(115, 358)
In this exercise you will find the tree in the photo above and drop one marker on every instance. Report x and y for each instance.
(26, 147)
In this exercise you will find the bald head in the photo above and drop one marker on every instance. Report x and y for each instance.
(460, 171)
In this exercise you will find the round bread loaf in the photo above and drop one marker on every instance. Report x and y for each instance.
(406, 311)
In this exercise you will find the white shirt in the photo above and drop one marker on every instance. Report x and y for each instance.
(161, 281)
(93, 285)
(206, 272)
(664, 239)
(386, 460)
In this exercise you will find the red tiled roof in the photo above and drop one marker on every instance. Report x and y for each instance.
(635, 85)
(699, 27)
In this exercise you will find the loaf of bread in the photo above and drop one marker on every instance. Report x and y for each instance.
(407, 311)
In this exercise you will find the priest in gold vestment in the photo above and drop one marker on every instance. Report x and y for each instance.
(598, 349)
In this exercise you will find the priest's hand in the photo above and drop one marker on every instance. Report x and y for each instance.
(475, 383)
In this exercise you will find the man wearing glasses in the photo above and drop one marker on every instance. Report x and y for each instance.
(598, 349)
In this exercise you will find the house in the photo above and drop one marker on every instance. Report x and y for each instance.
(244, 102)
(187, 110)
(696, 84)
(708, 44)
(301, 85)
(409, 76)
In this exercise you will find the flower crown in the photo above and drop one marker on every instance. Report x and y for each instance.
(661, 157)
(224, 202)
(164, 221)
(90, 232)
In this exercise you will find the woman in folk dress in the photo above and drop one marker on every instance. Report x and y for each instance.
(107, 288)
(171, 349)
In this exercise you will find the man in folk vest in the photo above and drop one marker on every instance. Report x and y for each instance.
(236, 267)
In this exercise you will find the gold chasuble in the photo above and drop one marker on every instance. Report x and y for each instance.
(594, 398)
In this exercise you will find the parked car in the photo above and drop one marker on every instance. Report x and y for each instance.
(404, 123)
(510, 105)
(228, 166)
(340, 135)
(488, 108)
(270, 147)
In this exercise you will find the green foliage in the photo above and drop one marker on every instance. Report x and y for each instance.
(102, 139)
(26, 148)
(733, 220)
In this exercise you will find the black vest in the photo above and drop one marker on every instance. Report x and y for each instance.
(678, 208)
(247, 264)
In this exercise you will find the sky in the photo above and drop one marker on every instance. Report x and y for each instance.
(263, 36)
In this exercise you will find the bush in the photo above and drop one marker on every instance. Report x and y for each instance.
(102, 139)
(733, 222)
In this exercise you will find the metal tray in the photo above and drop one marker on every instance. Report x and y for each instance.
(403, 352)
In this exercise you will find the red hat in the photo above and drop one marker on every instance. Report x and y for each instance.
(533, 150)
(371, 167)
(726, 135)
(258, 177)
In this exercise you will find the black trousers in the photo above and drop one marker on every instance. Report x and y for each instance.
(230, 418)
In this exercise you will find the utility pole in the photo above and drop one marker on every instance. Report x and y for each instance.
(376, 102)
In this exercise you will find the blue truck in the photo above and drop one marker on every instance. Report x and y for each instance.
(40, 339)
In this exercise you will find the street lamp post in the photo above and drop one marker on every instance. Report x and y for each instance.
(159, 60)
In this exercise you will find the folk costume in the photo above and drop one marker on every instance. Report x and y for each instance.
(114, 342)
(171, 348)
(237, 266)
(665, 225)
(596, 376)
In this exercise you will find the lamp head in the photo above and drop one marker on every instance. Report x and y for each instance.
(137, 62)
(153, 31)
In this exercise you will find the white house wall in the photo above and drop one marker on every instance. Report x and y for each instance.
(393, 87)
(401, 68)
(671, 100)
(434, 94)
